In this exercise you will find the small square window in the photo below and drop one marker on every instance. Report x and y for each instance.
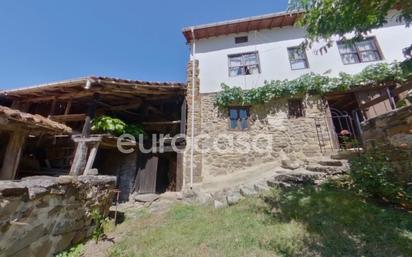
(366, 50)
(239, 118)
(297, 58)
(296, 109)
(241, 40)
(244, 64)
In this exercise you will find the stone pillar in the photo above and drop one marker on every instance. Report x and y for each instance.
(197, 158)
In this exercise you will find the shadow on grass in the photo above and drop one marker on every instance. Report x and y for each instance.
(342, 224)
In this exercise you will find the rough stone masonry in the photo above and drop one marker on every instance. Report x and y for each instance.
(41, 216)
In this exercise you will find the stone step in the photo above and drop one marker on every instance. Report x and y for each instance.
(330, 170)
(281, 184)
(333, 163)
(248, 191)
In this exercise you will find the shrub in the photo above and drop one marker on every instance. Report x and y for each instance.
(382, 172)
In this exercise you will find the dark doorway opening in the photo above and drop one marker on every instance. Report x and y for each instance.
(156, 173)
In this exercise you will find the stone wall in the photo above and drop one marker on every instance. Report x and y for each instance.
(41, 216)
(393, 128)
(292, 138)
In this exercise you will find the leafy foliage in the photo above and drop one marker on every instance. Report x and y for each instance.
(116, 127)
(108, 124)
(377, 173)
(99, 223)
(76, 251)
(134, 130)
(313, 84)
(325, 18)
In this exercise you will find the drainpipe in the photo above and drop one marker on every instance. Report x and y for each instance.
(193, 107)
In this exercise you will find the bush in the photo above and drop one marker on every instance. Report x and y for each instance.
(382, 172)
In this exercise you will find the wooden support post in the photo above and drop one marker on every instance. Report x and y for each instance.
(80, 156)
(12, 155)
(183, 117)
(92, 157)
(53, 107)
(79, 160)
(87, 121)
(68, 107)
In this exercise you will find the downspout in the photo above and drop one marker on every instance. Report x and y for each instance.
(193, 108)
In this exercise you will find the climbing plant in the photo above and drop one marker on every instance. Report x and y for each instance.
(314, 84)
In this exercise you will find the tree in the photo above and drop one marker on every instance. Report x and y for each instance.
(326, 18)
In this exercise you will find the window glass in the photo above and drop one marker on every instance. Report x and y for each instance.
(361, 51)
(244, 64)
(297, 58)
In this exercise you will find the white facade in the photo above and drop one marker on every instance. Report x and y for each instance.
(272, 45)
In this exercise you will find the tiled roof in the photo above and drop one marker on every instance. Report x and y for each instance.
(34, 121)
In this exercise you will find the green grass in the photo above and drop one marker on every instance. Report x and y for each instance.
(305, 222)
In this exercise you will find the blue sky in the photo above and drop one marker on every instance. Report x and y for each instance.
(49, 40)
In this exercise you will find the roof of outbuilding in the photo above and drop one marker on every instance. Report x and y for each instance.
(33, 121)
(273, 20)
(69, 88)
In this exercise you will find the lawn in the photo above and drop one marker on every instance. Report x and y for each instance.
(304, 222)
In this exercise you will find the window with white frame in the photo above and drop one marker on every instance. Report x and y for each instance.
(298, 58)
(244, 64)
(366, 50)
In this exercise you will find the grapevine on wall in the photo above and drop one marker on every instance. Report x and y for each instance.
(314, 84)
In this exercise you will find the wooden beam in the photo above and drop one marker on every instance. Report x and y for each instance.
(134, 105)
(92, 157)
(12, 156)
(68, 117)
(183, 114)
(53, 107)
(68, 107)
(162, 122)
(79, 160)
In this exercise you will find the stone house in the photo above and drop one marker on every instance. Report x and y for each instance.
(248, 52)
(213, 141)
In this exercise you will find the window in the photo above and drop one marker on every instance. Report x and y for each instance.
(244, 64)
(239, 118)
(297, 58)
(362, 51)
(296, 109)
(240, 40)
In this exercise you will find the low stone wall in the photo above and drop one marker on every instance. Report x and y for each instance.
(41, 216)
(394, 128)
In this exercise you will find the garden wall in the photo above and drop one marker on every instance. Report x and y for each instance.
(41, 216)
(394, 128)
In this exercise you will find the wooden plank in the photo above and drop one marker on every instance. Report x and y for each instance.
(68, 107)
(79, 160)
(183, 118)
(162, 122)
(179, 171)
(135, 105)
(12, 156)
(92, 157)
(403, 88)
(68, 117)
(53, 107)
(147, 174)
